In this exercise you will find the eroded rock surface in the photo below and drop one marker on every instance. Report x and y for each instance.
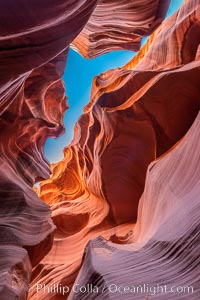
(121, 27)
(34, 38)
(162, 261)
(136, 114)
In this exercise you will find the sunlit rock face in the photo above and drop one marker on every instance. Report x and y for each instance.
(164, 254)
(136, 114)
(34, 38)
(119, 25)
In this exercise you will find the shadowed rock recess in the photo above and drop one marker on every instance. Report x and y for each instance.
(122, 207)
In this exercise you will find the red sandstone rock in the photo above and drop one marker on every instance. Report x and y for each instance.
(162, 261)
(136, 114)
(34, 38)
(119, 25)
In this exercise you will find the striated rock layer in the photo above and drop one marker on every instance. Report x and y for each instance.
(136, 114)
(165, 249)
(119, 25)
(34, 38)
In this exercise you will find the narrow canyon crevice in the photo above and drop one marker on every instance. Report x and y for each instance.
(108, 210)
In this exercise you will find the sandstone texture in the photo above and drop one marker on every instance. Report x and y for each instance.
(123, 203)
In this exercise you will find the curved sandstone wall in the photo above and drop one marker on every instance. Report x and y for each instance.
(104, 186)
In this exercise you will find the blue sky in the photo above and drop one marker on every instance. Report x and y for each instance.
(78, 80)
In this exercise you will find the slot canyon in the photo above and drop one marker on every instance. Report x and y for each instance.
(122, 207)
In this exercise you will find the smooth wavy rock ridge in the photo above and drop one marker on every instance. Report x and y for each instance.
(119, 25)
(34, 38)
(136, 114)
(106, 185)
(165, 248)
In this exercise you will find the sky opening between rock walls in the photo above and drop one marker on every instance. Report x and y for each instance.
(78, 78)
